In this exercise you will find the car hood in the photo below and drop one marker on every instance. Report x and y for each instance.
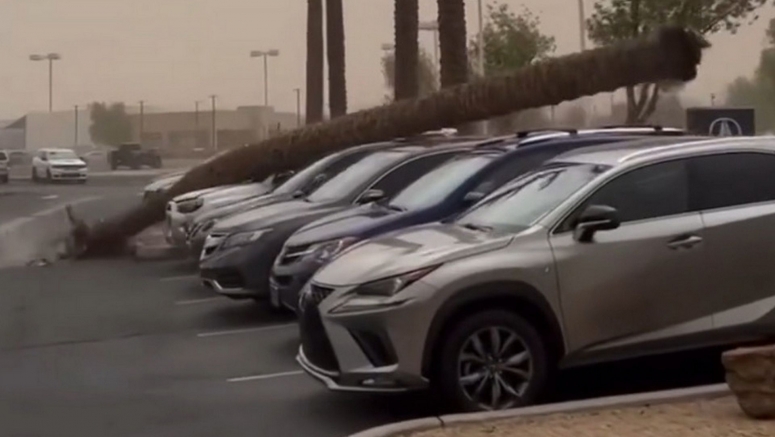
(240, 206)
(66, 162)
(194, 194)
(237, 191)
(271, 215)
(407, 250)
(350, 222)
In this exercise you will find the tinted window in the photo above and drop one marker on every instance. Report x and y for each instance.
(357, 174)
(330, 166)
(62, 154)
(515, 167)
(733, 179)
(401, 177)
(522, 202)
(655, 191)
(440, 182)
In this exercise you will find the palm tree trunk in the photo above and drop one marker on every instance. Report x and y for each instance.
(337, 85)
(453, 42)
(407, 49)
(672, 55)
(314, 112)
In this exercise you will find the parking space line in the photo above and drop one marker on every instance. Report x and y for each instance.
(267, 376)
(198, 301)
(245, 330)
(179, 278)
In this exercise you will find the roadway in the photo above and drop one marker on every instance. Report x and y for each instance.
(128, 348)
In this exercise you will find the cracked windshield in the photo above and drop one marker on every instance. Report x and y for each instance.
(334, 218)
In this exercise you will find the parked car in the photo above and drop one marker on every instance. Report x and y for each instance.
(240, 264)
(602, 254)
(134, 155)
(58, 164)
(4, 159)
(18, 157)
(299, 185)
(443, 192)
(182, 210)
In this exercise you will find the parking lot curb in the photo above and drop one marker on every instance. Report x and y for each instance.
(584, 406)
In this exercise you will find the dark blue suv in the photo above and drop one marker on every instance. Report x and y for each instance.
(443, 192)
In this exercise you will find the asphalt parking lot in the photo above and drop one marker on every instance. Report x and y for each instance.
(119, 347)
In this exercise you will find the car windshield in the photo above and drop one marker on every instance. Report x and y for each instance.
(62, 154)
(440, 182)
(356, 175)
(524, 201)
(298, 181)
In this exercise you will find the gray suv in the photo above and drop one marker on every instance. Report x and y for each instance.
(602, 254)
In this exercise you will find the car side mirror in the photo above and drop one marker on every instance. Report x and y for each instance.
(472, 197)
(282, 177)
(371, 196)
(595, 218)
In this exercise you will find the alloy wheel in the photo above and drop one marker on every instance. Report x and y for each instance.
(495, 368)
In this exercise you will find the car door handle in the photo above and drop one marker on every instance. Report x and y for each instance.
(684, 241)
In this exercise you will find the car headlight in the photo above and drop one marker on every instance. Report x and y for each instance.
(390, 286)
(329, 249)
(191, 205)
(243, 238)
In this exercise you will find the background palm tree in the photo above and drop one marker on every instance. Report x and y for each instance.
(337, 83)
(453, 43)
(407, 50)
(314, 112)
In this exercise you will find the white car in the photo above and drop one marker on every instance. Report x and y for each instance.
(161, 184)
(4, 167)
(58, 164)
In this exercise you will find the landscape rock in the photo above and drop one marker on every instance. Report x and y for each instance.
(750, 374)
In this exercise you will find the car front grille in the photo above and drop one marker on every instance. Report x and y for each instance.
(226, 278)
(314, 341)
(68, 167)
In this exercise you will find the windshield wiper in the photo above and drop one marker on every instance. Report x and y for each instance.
(392, 207)
(480, 228)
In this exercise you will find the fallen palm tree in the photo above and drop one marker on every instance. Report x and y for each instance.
(671, 54)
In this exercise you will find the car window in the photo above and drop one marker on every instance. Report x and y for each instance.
(440, 182)
(357, 174)
(654, 191)
(512, 169)
(62, 154)
(733, 179)
(322, 171)
(399, 178)
(522, 202)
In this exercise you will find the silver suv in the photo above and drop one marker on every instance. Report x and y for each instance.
(602, 254)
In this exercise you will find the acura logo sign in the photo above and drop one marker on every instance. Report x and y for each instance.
(725, 127)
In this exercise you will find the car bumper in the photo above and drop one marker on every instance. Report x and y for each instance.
(374, 350)
(241, 272)
(176, 227)
(69, 174)
(287, 281)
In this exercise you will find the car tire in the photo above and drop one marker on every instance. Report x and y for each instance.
(34, 175)
(519, 383)
(49, 178)
(4, 179)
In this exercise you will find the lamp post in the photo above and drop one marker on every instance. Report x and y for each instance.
(298, 106)
(75, 141)
(265, 54)
(214, 138)
(51, 57)
(142, 121)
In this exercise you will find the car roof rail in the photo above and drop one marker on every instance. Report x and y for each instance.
(531, 132)
(655, 127)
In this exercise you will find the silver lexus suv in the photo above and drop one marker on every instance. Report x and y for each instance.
(602, 254)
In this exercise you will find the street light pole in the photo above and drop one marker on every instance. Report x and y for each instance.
(75, 144)
(214, 142)
(142, 120)
(51, 57)
(298, 106)
(265, 54)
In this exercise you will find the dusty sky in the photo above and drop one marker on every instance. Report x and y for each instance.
(173, 52)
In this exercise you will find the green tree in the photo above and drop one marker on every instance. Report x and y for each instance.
(426, 73)
(511, 41)
(110, 124)
(617, 20)
(758, 91)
